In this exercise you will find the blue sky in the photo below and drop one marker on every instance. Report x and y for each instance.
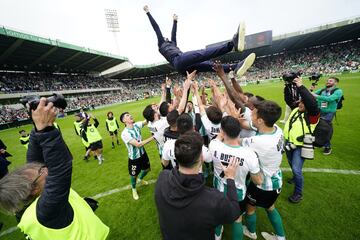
(201, 22)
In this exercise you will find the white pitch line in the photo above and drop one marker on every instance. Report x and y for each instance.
(8, 231)
(326, 170)
(97, 196)
(127, 187)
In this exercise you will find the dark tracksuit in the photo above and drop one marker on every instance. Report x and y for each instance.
(188, 209)
(199, 60)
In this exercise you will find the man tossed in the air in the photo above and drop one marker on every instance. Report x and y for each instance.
(200, 60)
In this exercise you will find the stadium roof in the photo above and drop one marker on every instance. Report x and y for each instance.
(25, 52)
(326, 34)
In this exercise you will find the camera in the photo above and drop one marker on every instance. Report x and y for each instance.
(307, 150)
(289, 146)
(315, 77)
(31, 102)
(290, 76)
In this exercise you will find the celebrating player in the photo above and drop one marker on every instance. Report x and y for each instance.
(138, 159)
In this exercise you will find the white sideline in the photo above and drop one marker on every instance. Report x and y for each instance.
(116, 190)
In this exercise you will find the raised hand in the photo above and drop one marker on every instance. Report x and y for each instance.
(44, 115)
(218, 68)
(191, 75)
(175, 17)
(146, 8)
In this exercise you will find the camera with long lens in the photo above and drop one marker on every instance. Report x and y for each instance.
(31, 102)
(315, 77)
(290, 76)
(307, 150)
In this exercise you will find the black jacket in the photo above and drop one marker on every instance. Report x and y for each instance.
(53, 209)
(188, 209)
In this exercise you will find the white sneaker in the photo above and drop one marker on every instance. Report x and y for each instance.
(135, 194)
(142, 182)
(100, 161)
(248, 62)
(248, 233)
(241, 39)
(268, 236)
(282, 121)
(219, 237)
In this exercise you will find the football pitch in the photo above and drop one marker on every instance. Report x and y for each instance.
(331, 204)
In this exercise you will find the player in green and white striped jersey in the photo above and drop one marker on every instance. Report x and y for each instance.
(268, 144)
(223, 148)
(138, 159)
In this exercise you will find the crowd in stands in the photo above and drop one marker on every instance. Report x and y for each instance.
(322, 59)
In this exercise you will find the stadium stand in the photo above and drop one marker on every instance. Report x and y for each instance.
(36, 65)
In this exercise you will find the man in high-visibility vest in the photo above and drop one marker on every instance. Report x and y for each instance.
(40, 193)
(24, 138)
(90, 133)
(112, 127)
(302, 121)
(77, 128)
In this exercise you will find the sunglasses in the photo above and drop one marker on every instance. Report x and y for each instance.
(40, 173)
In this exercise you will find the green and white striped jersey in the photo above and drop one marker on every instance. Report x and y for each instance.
(248, 163)
(269, 149)
(129, 134)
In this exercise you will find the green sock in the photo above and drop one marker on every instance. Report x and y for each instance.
(276, 222)
(133, 181)
(218, 230)
(237, 231)
(143, 174)
(251, 222)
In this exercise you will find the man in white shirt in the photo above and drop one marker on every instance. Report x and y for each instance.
(184, 124)
(156, 125)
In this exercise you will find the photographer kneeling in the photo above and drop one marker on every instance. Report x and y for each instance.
(40, 193)
(298, 137)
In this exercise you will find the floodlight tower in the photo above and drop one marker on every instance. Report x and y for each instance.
(113, 25)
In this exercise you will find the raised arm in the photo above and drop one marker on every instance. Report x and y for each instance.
(233, 95)
(174, 29)
(185, 93)
(53, 209)
(198, 99)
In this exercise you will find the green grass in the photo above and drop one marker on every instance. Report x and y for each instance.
(330, 208)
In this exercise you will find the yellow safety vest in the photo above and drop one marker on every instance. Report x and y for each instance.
(78, 128)
(56, 125)
(85, 225)
(25, 139)
(112, 124)
(93, 134)
(298, 122)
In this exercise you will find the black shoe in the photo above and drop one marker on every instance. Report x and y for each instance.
(295, 198)
(239, 38)
(113, 146)
(117, 142)
(291, 181)
(327, 151)
(1, 225)
(86, 158)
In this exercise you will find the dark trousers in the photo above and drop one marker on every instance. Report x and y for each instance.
(194, 60)
(200, 59)
(328, 117)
